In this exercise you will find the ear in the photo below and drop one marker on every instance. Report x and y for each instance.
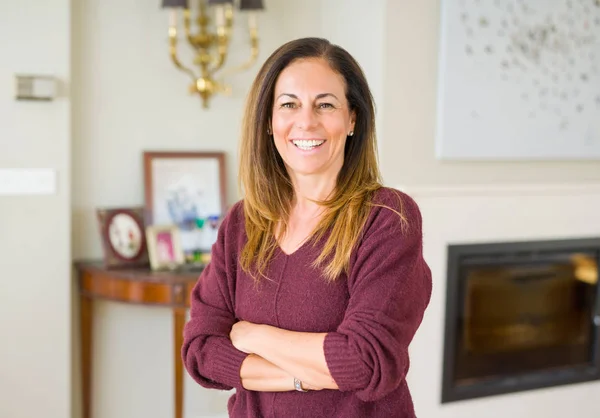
(269, 127)
(352, 120)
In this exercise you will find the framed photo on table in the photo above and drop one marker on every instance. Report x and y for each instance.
(122, 231)
(186, 189)
(164, 247)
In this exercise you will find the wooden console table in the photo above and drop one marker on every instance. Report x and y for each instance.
(135, 286)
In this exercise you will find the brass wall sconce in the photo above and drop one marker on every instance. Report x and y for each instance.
(211, 48)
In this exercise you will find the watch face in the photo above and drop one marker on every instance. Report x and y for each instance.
(125, 236)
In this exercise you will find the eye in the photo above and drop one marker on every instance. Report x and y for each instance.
(288, 105)
(325, 106)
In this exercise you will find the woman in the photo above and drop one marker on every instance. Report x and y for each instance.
(317, 282)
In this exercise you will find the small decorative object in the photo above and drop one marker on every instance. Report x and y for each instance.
(123, 239)
(186, 189)
(212, 43)
(164, 247)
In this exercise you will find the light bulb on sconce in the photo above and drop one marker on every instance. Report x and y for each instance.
(212, 49)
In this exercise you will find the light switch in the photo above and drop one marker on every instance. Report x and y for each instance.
(35, 87)
(27, 181)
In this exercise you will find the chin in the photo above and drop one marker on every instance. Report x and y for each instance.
(306, 170)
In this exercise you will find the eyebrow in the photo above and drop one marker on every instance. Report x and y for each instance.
(319, 96)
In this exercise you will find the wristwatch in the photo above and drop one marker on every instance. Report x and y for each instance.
(298, 385)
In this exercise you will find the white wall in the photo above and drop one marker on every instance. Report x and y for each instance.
(453, 215)
(35, 230)
(410, 113)
(130, 98)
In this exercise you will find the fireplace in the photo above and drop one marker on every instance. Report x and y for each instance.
(520, 316)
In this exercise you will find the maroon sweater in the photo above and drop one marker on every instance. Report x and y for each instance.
(370, 315)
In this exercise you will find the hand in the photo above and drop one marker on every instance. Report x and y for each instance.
(310, 387)
(241, 335)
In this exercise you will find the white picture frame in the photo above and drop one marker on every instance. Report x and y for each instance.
(164, 247)
(519, 80)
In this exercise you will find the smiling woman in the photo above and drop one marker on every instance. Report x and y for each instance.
(319, 330)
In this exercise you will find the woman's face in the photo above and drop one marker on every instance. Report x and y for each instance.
(311, 118)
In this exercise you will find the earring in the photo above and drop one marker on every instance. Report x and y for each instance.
(269, 130)
(350, 133)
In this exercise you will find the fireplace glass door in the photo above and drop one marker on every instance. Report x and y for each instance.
(520, 316)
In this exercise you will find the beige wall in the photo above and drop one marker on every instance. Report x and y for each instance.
(410, 113)
(127, 97)
(35, 230)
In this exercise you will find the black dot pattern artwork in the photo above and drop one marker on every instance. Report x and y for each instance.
(531, 63)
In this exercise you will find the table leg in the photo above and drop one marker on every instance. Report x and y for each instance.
(178, 324)
(86, 324)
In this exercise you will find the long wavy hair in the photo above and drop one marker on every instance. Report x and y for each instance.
(266, 184)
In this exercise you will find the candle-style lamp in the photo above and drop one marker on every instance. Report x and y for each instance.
(211, 42)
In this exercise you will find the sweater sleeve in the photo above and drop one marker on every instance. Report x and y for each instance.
(390, 288)
(208, 354)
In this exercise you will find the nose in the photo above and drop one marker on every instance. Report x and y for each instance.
(306, 118)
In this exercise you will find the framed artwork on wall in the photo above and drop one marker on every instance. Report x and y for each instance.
(519, 80)
(186, 189)
(122, 231)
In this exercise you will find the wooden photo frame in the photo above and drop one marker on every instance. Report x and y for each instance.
(164, 247)
(122, 231)
(186, 189)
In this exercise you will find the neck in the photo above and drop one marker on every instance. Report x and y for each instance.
(308, 189)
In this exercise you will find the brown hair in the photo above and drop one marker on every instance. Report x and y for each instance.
(264, 179)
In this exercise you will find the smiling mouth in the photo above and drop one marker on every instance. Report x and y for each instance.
(307, 145)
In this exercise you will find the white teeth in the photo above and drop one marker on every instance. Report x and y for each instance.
(307, 144)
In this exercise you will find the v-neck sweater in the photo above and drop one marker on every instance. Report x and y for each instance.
(370, 316)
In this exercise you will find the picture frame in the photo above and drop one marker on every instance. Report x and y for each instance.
(186, 189)
(122, 232)
(164, 247)
(515, 81)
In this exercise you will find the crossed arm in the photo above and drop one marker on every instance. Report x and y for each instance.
(277, 356)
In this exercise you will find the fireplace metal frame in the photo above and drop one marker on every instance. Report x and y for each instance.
(527, 251)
